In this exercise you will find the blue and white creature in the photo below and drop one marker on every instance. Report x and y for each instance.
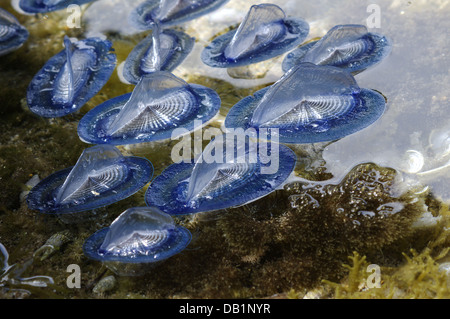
(171, 12)
(162, 50)
(101, 176)
(159, 104)
(43, 6)
(12, 33)
(11, 279)
(309, 104)
(139, 239)
(265, 33)
(71, 78)
(227, 174)
(350, 47)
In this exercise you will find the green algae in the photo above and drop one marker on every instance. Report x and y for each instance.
(417, 276)
(268, 246)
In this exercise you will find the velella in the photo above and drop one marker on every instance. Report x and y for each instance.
(350, 47)
(101, 176)
(159, 104)
(171, 12)
(42, 6)
(140, 238)
(309, 104)
(264, 33)
(71, 78)
(12, 33)
(162, 50)
(228, 173)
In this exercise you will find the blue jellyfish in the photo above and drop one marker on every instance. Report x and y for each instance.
(101, 176)
(265, 33)
(230, 172)
(309, 104)
(161, 51)
(42, 6)
(139, 239)
(350, 47)
(159, 104)
(171, 12)
(12, 33)
(71, 78)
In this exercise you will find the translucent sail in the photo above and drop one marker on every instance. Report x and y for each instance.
(208, 179)
(96, 171)
(74, 74)
(9, 26)
(7, 32)
(169, 7)
(7, 18)
(12, 34)
(137, 231)
(158, 52)
(158, 100)
(306, 94)
(262, 25)
(339, 45)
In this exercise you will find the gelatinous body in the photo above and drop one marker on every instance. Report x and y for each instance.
(350, 47)
(12, 33)
(11, 275)
(42, 6)
(309, 104)
(236, 174)
(101, 176)
(171, 12)
(140, 236)
(70, 78)
(265, 33)
(160, 51)
(159, 104)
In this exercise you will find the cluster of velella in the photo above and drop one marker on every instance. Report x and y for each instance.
(317, 99)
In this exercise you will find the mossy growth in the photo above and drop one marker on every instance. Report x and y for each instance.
(292, 239)
(301, 235)
(418, 276)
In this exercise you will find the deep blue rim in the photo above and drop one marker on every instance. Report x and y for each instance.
(41, 103)
(17, 40)
(371, 107)
(88, 125)
(138, 22)
(178, 240)
(42, 196)
(164, 190)
(131, 69)
(213, 54)
(382, 48)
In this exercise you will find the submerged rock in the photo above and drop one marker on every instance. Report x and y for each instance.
(105, 285)
(53, 244)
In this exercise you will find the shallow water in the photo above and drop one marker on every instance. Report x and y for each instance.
(412, 79)
(412, 137)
